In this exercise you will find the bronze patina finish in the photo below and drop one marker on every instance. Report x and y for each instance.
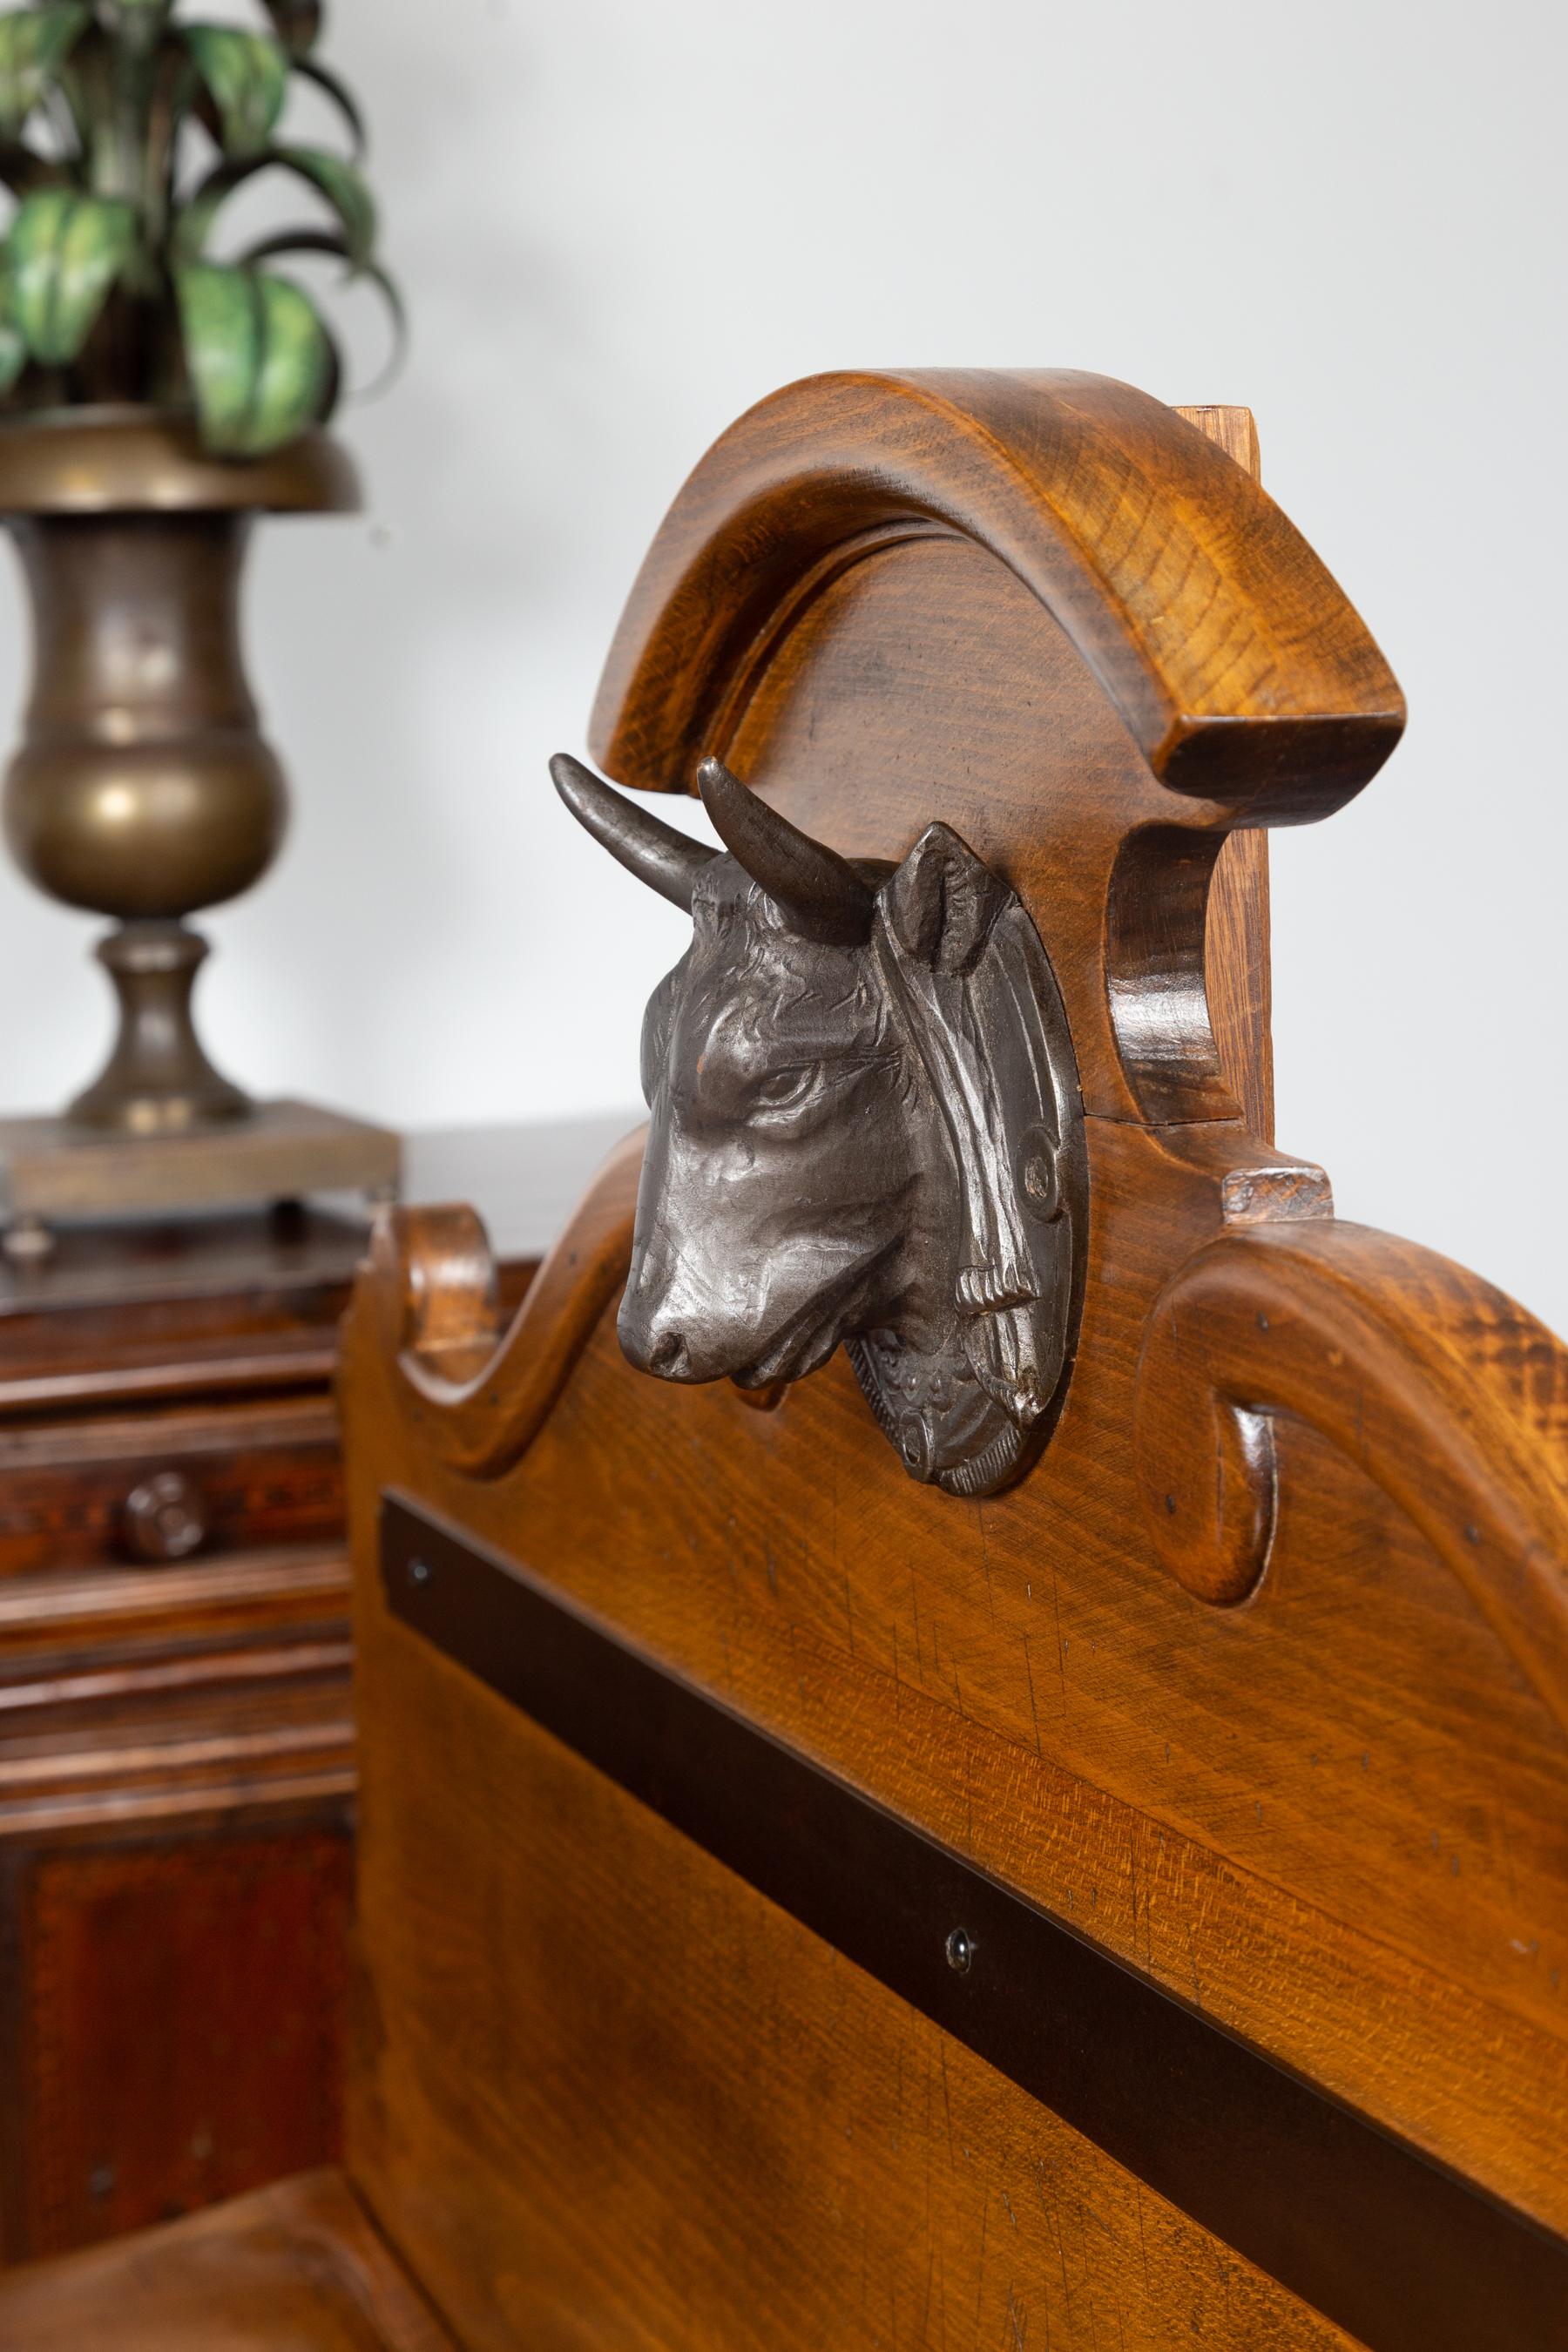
(866, 1128)
(142, 788)
(157, 1079)
(132, 460)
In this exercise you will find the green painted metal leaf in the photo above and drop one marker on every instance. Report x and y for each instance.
(298, 21)
(247, 74)
(260, 361)
(66, 251)
(334, 178)
(23, 168)
(319, 240)
(34, 44)
(343, 98)
(13, 345)
(345, 189)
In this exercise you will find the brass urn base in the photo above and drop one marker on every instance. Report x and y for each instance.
(158, 1079)
(54, 1170)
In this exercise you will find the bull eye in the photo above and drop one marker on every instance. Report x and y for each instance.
(785, 1087)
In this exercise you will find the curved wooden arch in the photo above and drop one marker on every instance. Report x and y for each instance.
(1450, 1397)
(1244, 676)
(478, 1397)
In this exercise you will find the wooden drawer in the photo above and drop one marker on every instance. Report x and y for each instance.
(176, 1741)
(168, 1484)
(177, 1781)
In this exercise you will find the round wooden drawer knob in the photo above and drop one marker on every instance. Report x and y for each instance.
(165, 1518)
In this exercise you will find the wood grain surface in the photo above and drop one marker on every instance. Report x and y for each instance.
(601, 2090)
(1238, 665)
(297, 2268)
(1446, 1394)
(698, 2125)
(1238, 978)
(182, 2027)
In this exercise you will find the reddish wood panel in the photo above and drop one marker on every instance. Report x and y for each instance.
(176, 1740)
(182, 2011)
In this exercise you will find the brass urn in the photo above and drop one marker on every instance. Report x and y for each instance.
(142, 788)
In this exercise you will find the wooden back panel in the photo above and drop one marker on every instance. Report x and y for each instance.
(1257, 1680)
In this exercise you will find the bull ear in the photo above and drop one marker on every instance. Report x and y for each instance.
(824, 898)
(667, 859)
(940, 904)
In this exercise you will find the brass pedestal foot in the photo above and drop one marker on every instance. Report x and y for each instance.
(27, 1241)
(158, 1080)
(52, 1169)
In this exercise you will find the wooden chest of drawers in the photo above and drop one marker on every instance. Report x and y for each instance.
(177, 1747)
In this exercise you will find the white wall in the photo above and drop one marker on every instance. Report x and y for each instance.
(619, 224)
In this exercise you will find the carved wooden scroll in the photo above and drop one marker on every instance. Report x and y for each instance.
(1256, 1675)
(479, 1401)
(1450, 1397)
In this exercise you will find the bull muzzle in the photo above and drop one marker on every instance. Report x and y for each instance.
(653, 1340)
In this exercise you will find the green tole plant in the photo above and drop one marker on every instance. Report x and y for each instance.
(123, 133)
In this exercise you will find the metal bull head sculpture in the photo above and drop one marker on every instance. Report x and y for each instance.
(866, 1127)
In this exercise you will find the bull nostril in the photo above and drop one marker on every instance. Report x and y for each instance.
(666, 1352)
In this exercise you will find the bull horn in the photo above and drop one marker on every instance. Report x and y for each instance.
(667, 859)
(823, 896)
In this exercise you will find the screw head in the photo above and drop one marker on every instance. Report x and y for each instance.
(418, 1572)
(915, 1443)
(960, 1951)
(1039, 1173)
